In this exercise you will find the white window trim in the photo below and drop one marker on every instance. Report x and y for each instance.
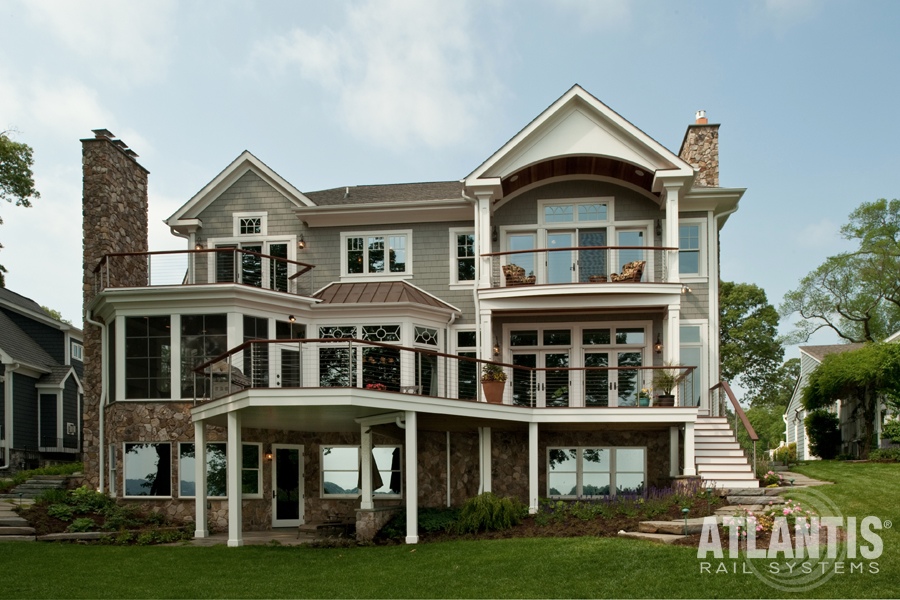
(578, 466)
(125, 473)
(706, 381)
(259, 470)
(236, 223)
(77, 351)
(174, 357)
(387, 275)
(180, 444)
(454, 272)
(322, 447)
(703, 258)
(455, 348)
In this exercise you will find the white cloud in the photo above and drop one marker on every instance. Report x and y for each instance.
(598, 14)
(403, 72)
(822, 234)
(127, 41)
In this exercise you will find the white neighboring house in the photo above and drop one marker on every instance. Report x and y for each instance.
(852, 423)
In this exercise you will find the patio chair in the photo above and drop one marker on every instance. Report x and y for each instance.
(515, 275)
(631, 272)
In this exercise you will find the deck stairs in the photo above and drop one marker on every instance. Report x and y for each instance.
(720, 461)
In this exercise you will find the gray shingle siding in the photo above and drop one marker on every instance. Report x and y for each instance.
(52, 340)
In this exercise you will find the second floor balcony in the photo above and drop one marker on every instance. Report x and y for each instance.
(205, 266)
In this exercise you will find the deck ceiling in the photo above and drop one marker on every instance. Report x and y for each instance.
(602, 166)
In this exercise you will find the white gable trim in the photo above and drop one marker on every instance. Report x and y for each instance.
(577, 101)
(186, 215)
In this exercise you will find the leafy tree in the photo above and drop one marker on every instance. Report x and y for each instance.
(16, 178)
(749, 345)
(856, 294)
(55, 314)
(768, 406)
(861, 375)
(824, 430)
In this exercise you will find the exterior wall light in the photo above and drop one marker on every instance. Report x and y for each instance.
(301, 243)
(657, 347)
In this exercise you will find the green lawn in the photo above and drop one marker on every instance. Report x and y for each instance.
(518, 568)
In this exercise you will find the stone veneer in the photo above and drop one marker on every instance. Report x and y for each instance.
(114, 219)
(700, 149)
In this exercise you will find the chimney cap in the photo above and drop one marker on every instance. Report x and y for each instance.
(102, 134)
(701, 117)
(131, 153)
(120, 144)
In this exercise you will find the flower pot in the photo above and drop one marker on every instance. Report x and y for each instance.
(643, 401)
(665, 400)
(493, 391)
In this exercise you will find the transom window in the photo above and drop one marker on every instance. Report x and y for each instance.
(250, 223)
(577, 212)
(377, 253)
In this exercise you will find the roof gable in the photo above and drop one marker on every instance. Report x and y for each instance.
(186, 216)
(18, 346)
(579, 124)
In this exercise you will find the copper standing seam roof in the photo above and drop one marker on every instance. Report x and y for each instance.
(386, 292)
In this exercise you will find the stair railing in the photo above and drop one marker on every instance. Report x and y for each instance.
(739, 413)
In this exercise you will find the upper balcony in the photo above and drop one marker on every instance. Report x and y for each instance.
(204, 266)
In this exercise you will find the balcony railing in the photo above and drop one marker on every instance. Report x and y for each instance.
(53, 444)
(389, 368)
(215, 265)
(580, 264)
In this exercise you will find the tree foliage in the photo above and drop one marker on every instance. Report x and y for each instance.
(856, 294)
(769, 404)
(824, 431)
(861, 375)
(16, 178)
(749, 345)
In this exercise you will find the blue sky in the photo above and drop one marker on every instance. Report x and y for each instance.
(344, 93)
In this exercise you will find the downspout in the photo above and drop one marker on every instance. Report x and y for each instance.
(103, 392)
(7, 381)
(475, 300)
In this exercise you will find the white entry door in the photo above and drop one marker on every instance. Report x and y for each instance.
(287, 485)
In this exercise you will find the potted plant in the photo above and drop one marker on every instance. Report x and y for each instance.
(665, 380)
(493, 379)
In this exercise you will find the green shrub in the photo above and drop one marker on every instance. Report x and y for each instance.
(53, 497)
(121, 517)
(891, 430)
(487, 512)
(431, 520)
(86, 500)
(823, 429)
(82, 524)
(787, 454)
(885, 455)
(63, 512)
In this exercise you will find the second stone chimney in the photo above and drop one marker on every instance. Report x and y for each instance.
(700, 149)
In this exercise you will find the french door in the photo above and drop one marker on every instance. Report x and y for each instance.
(250, 269)
(548, 384)
(619, 386)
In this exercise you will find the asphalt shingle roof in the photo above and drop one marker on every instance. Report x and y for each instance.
(20, 346)
(400, 192)
(820, 352)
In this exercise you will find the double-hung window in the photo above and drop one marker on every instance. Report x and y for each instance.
(462, 261)
(690, 248)
(377, 253)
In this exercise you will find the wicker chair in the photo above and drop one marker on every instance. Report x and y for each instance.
(631, 272)
(515, 275)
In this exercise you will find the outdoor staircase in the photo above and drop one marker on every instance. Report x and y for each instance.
(36, 486)
(720, 460)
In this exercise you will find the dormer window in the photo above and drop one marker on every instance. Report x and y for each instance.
(377, 253)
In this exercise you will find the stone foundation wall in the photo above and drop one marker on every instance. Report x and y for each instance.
(370, 522)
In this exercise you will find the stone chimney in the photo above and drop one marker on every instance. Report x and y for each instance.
(114, 219)
(700, 149)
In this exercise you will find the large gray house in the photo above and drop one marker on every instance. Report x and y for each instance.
(316, 355)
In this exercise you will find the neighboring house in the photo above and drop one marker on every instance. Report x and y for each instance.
(852, 421)
(40, 386)
(581, 255)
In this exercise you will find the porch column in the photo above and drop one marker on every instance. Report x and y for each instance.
(673, 452)
(365, 467)
(689, 466)
(233, 474)
(412, 479)
(672, 342)
(670, 235)
(533, 458)
(200, 519)
(483, 198)
(484, 459)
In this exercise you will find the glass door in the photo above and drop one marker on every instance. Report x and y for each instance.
(632, 238)
(522, 241)
(591, 263)
(628, 381)
(560, 265)
(547, 385)
(287, 485)
(596, 382)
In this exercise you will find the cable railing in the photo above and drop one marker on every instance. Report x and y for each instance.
(720, 394)
(580, 264)
(386, 367)
(204, 266)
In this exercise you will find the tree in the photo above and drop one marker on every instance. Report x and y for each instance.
(55, 314)
(862, 376)
(748, 340)
(16, 178)
(768, 406)
(856, 294)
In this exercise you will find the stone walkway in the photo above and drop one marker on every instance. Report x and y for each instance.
(14, 528)
(739, 501)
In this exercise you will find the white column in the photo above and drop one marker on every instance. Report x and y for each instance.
(365, 468)
(672, 342)
(673, 452)
(233, 474)
(200, 519)
(412, 479)
(484, 443)
(689, 466)
(670, 236)
(483, 237)
(533, 461)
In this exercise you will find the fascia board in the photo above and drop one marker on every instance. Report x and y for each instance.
(717, 200)
(246, 161)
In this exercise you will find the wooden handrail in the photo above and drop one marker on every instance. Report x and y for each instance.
(508, 252)
(106, 257)
(737, 409)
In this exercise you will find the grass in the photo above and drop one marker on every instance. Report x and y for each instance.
(511, 568)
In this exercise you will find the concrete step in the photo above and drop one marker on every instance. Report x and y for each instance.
(764, 500)
(722, 483)
(662, 538)
(673, 527)
(721, 460)
(714, 439)
(725, 467)
(704, 445)
(715, 452)
(16, 531)
(746, 478)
